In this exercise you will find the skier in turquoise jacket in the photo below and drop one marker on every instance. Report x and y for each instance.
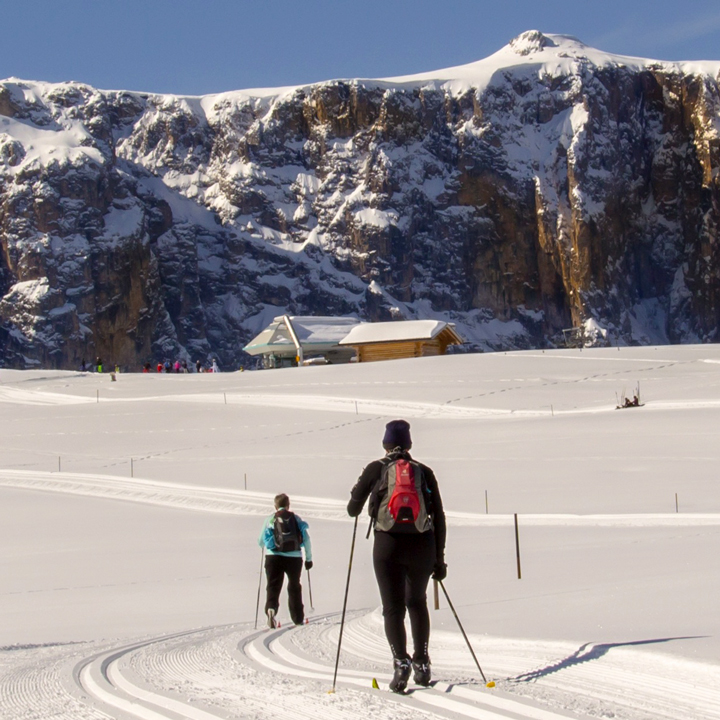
(285, 536)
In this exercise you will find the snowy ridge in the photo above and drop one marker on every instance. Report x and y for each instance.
(244, 502)
(543, 53)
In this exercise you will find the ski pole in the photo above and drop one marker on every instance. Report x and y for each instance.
(257, 606)
(310, 590)
(342, 619)
(462, 630)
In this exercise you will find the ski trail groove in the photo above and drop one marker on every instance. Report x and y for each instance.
(198, 666)
(274, 651)
(285, 674)
(244, 502)
(32, 690)
(597, 679)
(211, 674)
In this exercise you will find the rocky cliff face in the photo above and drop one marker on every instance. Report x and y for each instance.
(548, 186)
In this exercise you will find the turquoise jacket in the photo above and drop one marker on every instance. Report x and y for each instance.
(267, 539)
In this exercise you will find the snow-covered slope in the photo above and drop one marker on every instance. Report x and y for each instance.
(549, 185)
(129, 515)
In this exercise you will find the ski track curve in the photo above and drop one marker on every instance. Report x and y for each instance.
(245, 502)
(595, 680)
(234, 671)
(223, 673)
(35, 684)
(447, 409)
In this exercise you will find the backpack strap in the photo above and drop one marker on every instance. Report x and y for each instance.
(384, 461)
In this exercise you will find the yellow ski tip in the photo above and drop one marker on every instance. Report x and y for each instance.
(375, 684)
(491, 684)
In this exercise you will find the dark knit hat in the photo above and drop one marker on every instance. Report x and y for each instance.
(397, 434)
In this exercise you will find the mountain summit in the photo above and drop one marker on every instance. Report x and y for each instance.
(548, 186)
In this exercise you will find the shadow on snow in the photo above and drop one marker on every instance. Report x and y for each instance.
(588, 652)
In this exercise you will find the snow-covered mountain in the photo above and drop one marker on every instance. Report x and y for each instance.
(549, 185)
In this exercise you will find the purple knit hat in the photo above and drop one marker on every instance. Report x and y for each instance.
(397, 434)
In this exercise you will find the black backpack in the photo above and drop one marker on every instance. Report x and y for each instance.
(286, 532)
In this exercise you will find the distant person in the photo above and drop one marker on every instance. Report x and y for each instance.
(146, 367)
(198, 366)
(409, 546)
(83, 366)
(283, 536)
(215, 367)
(183, 366)
(167, 366)
(98, 365)
(159, 367)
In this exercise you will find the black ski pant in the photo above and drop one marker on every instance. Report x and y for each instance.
(276, 568)
(403, 566)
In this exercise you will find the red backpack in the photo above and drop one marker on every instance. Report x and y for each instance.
(399, 501)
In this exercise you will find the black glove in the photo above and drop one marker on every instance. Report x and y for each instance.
(439, 571)
(308, 564)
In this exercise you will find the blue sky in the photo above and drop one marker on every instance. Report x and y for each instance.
(178, 46)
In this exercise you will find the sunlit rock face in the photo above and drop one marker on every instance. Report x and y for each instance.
(548, 186)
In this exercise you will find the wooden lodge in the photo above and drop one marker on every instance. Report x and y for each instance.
(291, 341)
(400, 339)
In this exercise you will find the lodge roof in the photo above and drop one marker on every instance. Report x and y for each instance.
(400, 331)
(313, 332)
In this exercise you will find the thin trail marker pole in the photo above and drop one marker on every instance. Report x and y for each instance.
(246, 481)
(257, 606)
(436, 595)
(677, 507)
(487, 510)
(462, 630)
(97, 396)
(132, 469)
(342, 619)
(225, 396)
(356, 408)
(60, 470)
(552, 411)
(517, 547)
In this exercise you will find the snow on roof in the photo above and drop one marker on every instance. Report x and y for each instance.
(311, 330)
(400, 330)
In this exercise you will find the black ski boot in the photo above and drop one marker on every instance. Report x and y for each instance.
(402, 667)
(421, 672)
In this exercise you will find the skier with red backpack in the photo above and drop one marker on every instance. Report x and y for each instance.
(409, 547)
(284, 536)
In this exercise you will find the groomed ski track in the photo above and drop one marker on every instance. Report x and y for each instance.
(285, 674)
(243, 502)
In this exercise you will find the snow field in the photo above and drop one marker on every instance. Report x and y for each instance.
(615, 613)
